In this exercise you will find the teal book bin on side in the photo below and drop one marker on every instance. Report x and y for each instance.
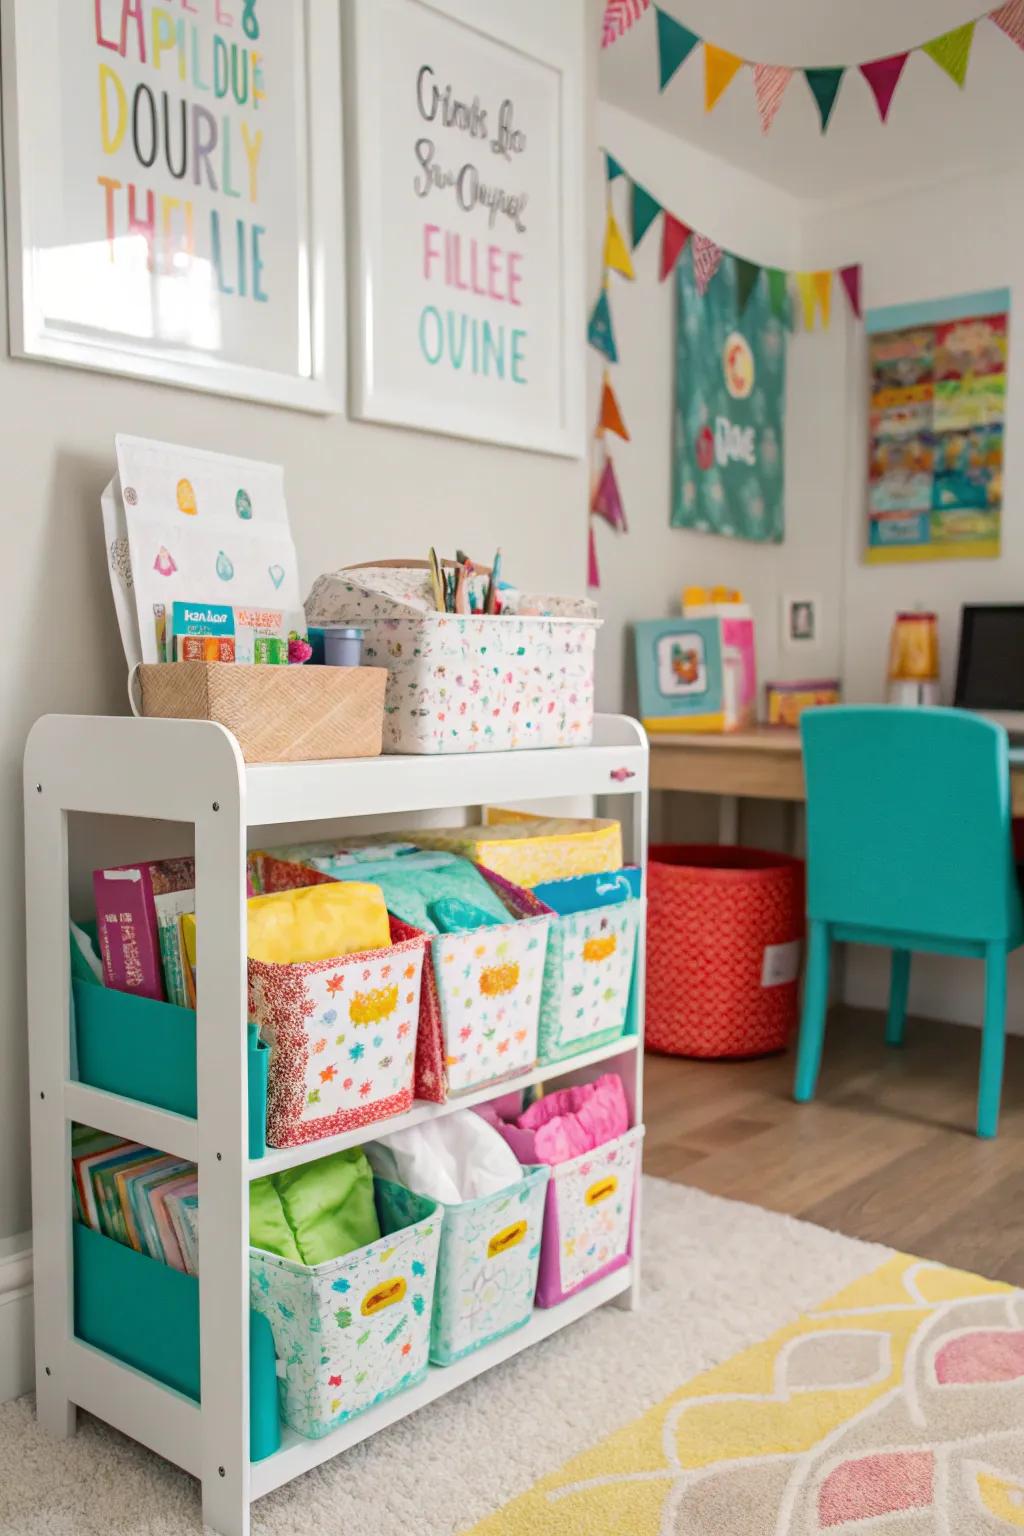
(909, 846)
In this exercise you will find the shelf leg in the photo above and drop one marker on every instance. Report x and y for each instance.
(632, 1067)
(222, 1081)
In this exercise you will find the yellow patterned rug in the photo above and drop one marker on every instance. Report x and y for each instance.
(896, 1409)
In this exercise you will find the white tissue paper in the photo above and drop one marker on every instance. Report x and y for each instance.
(452, 1160)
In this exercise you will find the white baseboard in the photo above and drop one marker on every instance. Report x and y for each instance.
(17, 1372)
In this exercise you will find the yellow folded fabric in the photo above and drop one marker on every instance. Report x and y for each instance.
(317, 922)
(530, 849)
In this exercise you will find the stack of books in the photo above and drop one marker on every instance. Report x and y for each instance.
(145, 1199)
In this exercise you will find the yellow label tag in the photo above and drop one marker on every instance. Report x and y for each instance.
(601, 1190)
(507, 1238)
(383, 1295)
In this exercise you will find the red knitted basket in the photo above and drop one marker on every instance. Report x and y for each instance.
(723, 932)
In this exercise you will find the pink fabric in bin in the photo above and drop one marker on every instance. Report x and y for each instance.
(569, 1122)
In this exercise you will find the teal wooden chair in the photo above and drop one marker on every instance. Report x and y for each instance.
(909, 846)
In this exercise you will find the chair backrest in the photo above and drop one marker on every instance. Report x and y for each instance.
(908, 822)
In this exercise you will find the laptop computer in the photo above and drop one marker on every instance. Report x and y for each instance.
(990, 664)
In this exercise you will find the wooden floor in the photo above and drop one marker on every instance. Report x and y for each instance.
(885, 1152)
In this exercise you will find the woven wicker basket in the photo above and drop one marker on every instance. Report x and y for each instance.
(278, 714)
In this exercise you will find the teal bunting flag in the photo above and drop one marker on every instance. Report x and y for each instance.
(612, 169)
(645, 210)
(675, 44)
(747, 274)
(824, 84)
(599, 332)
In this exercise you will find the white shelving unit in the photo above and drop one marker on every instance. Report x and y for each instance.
(192, 772)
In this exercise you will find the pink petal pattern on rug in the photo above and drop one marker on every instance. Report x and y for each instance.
(770, 81)
(987, 1354)
(886, 1484)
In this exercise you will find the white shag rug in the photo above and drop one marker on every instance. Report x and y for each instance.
(718, 1277)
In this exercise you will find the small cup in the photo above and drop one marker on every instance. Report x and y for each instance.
(343, 647)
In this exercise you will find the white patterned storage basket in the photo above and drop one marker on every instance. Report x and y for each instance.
(464, 684)
(356, 1330)
(587, 979)
(588, 1217)
(487, 1270)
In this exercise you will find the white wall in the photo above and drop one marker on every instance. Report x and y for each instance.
(354, 492)
(952, 237)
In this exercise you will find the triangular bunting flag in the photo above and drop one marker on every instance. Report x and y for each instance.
(770, 81)
(883, 76)
(719, 69)
(805, 285)
(1010, 19)
(611, 417)
(616, 255)
(952, 50)
(747, 274)
(675, 44)
(850, 279)
(778, 296)
(674, 236)
(619, 16)
(822, 285)
(824, 84)
(645, 210)
(607, 502)
(612, 169)
(593, 574)
(599, 330)
(707, 258)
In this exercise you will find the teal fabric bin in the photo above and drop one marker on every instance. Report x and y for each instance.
(147, 1315)
(146, 1050)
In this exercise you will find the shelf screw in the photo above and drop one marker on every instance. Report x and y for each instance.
(216, 805)
(42, 1095)
(220, 1158)
(221, 1472)
(46, 1368)
(39, 789)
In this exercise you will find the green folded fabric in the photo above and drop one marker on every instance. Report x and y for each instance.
(317, 1212)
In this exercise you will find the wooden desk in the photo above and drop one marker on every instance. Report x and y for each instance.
(761, 764)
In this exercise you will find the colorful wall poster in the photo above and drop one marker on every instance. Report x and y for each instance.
(467, 243)
(729, 409)
(172, 196)
(936, 422)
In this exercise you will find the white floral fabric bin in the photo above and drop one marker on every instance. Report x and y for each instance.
(465, 683)
(487, 1270)
(356, 1330)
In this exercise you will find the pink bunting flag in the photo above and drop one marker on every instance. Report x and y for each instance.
(593, 574)
(619, 16)
(770, 81)
(850, 279)
(883, 76)
(707, 258)
(1010, 19)
(607, 502)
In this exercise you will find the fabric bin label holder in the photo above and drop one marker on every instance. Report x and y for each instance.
(356, 1330)
(465, 683)
(342, 1035)
(590, 1211)
(487, 1270)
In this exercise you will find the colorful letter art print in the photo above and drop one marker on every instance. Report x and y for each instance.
(727, 451)
(467, 244)
(173, 181)
(937, 419)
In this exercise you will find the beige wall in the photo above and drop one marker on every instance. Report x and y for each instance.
(354, 492)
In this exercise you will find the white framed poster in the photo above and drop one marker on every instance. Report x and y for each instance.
(465, 208)
(174, 192)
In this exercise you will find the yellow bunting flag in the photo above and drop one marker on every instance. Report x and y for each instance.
(616, 255)
(815, 290)
(719, 69)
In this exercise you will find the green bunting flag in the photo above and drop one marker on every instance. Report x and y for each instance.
(675, 44)
(747, 273)
(599, 331)
(612, 168)
(952, 50)
(778, 296)
(824, 84)
(645, 210)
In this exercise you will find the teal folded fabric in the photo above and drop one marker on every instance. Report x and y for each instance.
(412, 886)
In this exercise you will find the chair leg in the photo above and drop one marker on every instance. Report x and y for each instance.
(990, 1085)
(812, 1023)
(899, 986)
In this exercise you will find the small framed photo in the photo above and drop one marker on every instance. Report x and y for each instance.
(801, 622)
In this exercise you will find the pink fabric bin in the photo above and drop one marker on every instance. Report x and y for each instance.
(588, 1209)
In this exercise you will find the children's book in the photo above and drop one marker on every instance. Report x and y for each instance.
(137, 924)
